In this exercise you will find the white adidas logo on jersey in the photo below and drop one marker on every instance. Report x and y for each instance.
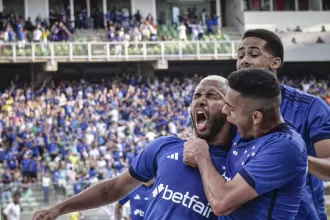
(174, 156)
(190, 202)
(137, 197)
(138, 212)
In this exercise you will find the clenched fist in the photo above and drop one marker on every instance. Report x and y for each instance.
(194, 150)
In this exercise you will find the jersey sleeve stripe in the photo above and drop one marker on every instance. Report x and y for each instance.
(136, 176)
(320, 138)
(246, 176)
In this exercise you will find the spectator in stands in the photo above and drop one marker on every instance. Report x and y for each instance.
(63, 34)
(194, 30)
(135, 34)
(28, 24)
(6, 185)
(76, 216)
(217, 24)
(97, 18)
(200, 31)
(294, 41)
(298, 29)
(209, 25)
(13, 209)
(81, 18)
(323, 29)
(319, 40)
(111, 33)
(37, 34)
(145, 30)
(44, 37)
(53, 16)
(11, 34)
(107, 16)
(182, 32)
(38, 20)
(46, 183)
(138, 17)
(34, 168)
(204, 16)
(21, 38)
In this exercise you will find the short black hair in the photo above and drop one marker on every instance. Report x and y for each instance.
(17, 193)
(255, 83)
(273, 45)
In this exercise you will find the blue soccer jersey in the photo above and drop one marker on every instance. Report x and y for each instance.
(138, 201)
(178, 190)
(311, 117)
(275, 165)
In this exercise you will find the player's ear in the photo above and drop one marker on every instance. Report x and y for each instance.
(257, 117)
(276, 63)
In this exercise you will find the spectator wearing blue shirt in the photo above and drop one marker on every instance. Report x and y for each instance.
(34, 168)
(12, 35)
(26, 165)
(267, 163)
(209, 24)
(6, 180)
(77, 186)
(108, 16)
(21, 38)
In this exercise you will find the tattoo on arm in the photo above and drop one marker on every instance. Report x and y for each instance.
(104, 194)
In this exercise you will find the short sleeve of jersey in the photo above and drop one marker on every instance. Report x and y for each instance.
(124, 200)
(275, 165)
(319, 120)
(144, 166)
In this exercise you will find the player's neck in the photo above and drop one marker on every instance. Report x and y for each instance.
(268, 126)
(223, 138)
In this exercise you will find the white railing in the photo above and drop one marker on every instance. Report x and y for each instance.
(106, 51)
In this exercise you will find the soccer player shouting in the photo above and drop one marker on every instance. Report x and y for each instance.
(267, 163)
(178, 190)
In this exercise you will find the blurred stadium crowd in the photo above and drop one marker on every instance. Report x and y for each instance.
(120, 25)
(80, 132)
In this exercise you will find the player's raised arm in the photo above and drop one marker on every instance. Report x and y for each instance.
(100, 194)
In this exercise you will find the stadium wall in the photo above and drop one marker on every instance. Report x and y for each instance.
(90, 71)
(236, 16)
(13, 5)
(145, 6)
(307, 20)
(35, 8)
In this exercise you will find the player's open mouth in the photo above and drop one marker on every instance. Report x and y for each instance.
(200, 120)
